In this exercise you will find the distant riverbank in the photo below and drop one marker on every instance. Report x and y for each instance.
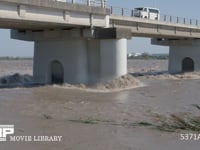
(15, 58)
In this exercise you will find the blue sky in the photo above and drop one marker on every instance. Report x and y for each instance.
(182, 8)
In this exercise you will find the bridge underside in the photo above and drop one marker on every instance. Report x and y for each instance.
(33, 25)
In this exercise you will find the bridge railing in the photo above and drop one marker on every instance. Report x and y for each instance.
(179, 20)
(130, 13)
(96, 3)
(120, 11)
(163, 17)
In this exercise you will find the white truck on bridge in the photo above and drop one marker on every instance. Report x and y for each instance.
(147, 13)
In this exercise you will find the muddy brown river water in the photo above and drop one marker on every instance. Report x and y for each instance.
(100, 121)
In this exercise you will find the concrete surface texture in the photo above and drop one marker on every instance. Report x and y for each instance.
(113, 58)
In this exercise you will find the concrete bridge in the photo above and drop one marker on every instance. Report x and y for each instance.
(86, 43)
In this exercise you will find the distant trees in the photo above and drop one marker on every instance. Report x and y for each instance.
(15, 58)
(146, 55)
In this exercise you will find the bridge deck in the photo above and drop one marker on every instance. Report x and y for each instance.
(47, 14)
(155, 28)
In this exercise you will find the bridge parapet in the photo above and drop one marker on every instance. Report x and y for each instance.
(96, 3)
(50, 14)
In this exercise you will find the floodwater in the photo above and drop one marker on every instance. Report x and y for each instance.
(96, 120)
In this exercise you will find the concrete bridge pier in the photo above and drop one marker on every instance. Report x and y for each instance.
(75, 56)
(184, 54)
(60, 61)
(113, 56)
